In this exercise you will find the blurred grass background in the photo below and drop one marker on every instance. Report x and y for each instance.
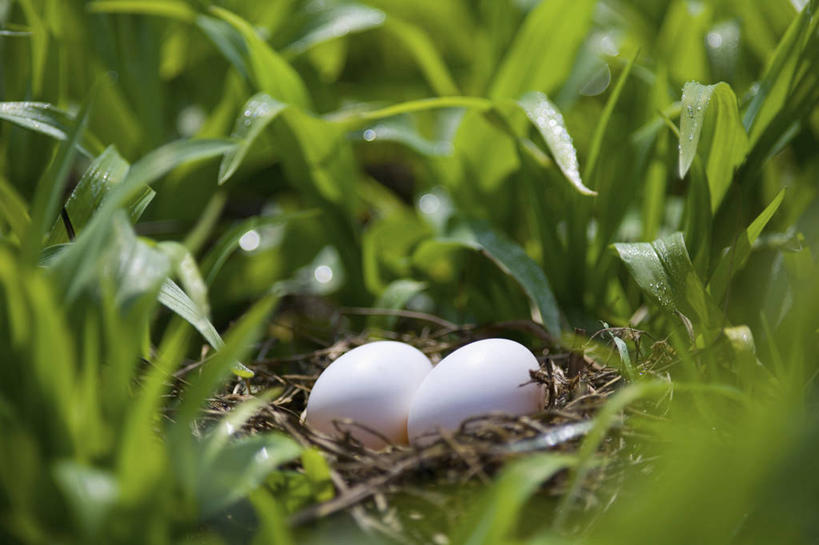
(577, 162)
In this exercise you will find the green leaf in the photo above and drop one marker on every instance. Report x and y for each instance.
(335, 21)
(776, 82)
(229, 241)
(134, 267)
(318, 472)
(542, 53)
(175, 9)
(186, 270)
(268, 70)
(695, 101)
(743, 356)
(15, 33)
(710, 123)
(549, 122)
(385, 246)
(240, 467)
(39, 44)
(273, 527)
(257, 114)
(512, 260)
(317, 157)
(402, 130)
(227, 40)
(76, 266)
(13, 209)
(91, 494)
(395, 297)
(734, 258)
(107, 170)
(238, 340)
(604, 420)
(496, 519)
(603, 121)
(175, 299)
(160, 162)
(47, 119)
(423, 50)
(359, 118)
(50, 188)
(486, 152)
(231, 424)
(664, 271)
(682, 39)
(110, 261)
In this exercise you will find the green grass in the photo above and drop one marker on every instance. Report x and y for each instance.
(621, 162)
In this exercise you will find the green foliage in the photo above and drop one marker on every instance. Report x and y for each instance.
(724, 142)
(479, 160)
(664, 270)
(552, 30)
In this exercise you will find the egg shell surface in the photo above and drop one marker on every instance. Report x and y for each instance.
(482, 377)
(373, 385)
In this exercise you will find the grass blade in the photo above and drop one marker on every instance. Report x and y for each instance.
(239, 468)
(418, 44)
(186, 270)
(553, 30)
(39, 44)
(664, 271)
(13, 210)
(229, 42)
(395, 297)
(229, 241)
(498, 515)
(50, 189)
(336, 21)
(104, 172)
(549, 122)
(734, 258)
(710, 123)
(359, 119)
(257, 113)
(49, 120)
(512, 259)
(175, 9)
(268, 70)
(602, 423)
(160, 162)
(402, 130)
(778, 77)
(238, 340)
(176, 300)
(603, 122)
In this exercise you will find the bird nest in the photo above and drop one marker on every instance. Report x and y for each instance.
(366, 480)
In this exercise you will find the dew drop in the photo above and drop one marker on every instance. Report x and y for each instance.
(323, 274)
(250, 240)
(429, 203)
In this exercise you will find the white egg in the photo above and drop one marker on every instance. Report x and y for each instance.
(372, 385)
(482, 377)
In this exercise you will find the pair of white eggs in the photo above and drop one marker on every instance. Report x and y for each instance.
(394, 393)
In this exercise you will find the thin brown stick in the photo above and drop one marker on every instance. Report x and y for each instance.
(411, 314)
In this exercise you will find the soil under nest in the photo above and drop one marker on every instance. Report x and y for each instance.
(576, 387)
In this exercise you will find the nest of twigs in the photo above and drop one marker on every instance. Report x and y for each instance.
(576, 388)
